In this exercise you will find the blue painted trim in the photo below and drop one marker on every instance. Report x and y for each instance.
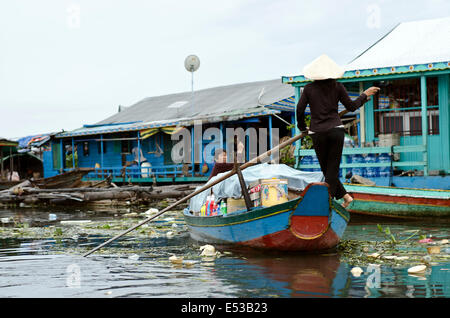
(61, 154)
(444, 119)
(423, 101)
(114, 124)
(376, 72)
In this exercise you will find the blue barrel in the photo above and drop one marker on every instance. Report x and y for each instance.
(371, 172)
(385, 171)
(315, 161)
(306, 160)
(358, 170)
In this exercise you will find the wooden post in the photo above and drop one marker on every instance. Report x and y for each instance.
(362, 119)
(61, 155)
(101, 154)
(11, 163)
(248, 202)
(1, 159)
(73, 154)
(423, 99)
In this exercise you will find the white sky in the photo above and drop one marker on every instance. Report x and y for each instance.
(66, 63)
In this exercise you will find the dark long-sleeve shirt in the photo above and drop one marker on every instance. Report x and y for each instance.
(323, 97)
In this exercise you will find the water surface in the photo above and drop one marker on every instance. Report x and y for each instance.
(40, 257)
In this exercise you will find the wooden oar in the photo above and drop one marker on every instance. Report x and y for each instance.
(260, 158)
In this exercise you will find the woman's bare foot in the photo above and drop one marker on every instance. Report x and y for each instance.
(347, 200)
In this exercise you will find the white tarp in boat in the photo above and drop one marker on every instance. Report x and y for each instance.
(230, 188)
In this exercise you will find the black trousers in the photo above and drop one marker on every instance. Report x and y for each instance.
(328, 147)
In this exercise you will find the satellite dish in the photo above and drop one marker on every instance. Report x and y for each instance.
(192, 63)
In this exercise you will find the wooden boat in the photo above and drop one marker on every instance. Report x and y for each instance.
(68, 179)
(398, 202)
(311, 222)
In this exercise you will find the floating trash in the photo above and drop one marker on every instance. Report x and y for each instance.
(207, 250)
(417, 269)
(6, 220)
(433, 250)
(75, 222)
(374, 255)
(133, 257)
(52, 217)
(176, 260)
(426, 240)
(356, 271)
(189, 263)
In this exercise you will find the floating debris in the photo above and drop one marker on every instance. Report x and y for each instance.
(176, 260)
(356, 271)
(75, 222)
(189, 263)
(433, 250)
(133, 257)
(417, 269)
(207, 250)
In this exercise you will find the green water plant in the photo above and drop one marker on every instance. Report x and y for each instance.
(387, 232)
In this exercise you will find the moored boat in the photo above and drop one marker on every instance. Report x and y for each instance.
(311, 222)
(398, 202)
(68, 179)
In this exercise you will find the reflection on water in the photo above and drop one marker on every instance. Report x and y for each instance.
(138, 266)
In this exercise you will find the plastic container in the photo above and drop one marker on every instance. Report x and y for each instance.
(370, 172)
(358, 170)
(306, 160)
(223, 208)
(315, 161)
(274, 191)
(385, 171)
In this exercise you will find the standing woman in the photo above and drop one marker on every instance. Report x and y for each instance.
(326, 128)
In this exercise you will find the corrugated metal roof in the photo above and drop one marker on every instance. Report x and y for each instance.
(410, 47)
(409, 43)
(216, 100)
(224, 103)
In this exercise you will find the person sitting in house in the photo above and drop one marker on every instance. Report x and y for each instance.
(71, 157)
(220, 160)
(140, 159)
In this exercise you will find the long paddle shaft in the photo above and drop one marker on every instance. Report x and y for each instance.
(206, 187)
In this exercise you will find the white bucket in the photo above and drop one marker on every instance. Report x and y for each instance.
(146, 170)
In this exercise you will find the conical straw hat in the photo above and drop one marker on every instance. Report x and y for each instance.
(323, 68)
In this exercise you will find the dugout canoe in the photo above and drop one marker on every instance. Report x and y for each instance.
(311, 222)
(398, 202)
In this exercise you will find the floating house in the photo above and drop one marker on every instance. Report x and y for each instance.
(7, 150)
(405, 129)
(136, 143)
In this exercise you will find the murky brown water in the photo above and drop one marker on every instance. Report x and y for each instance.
(41, 257)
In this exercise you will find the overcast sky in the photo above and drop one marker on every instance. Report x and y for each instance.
(66, 63)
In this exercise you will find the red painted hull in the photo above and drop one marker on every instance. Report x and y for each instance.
(286, 241)
(410, 200)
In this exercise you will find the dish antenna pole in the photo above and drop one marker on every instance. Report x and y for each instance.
(192, 63)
